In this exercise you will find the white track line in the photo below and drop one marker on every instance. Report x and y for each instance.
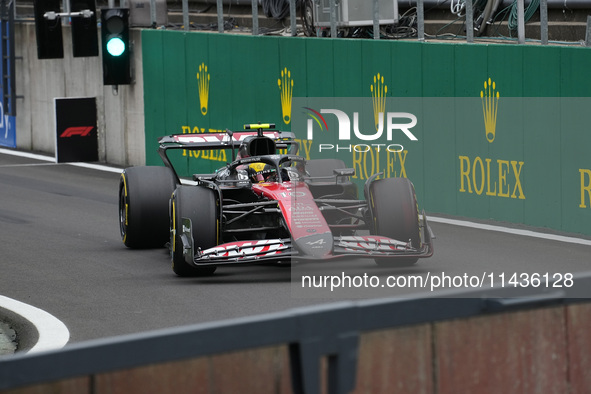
(53, 334)
(26, 154)
(97, 167)
(508, 230)
(52, 159)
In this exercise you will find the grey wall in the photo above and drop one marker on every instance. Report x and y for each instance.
(120, 116)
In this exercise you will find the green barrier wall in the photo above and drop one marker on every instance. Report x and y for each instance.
(536, 170)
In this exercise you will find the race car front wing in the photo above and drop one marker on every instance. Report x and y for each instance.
(266, 250)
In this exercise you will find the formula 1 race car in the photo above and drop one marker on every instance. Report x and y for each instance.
(267, 207)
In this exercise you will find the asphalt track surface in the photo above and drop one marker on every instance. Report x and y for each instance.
(61, 252)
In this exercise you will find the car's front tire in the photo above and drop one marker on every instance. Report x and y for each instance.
(200, 205)
(394, 211)
(144, 193)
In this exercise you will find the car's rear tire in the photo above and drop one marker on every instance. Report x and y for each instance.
(201, 206)
(394, 211)
(144, 193)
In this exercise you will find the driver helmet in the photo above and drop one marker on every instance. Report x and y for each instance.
(261, 172)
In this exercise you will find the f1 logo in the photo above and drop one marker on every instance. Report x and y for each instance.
(82, 131)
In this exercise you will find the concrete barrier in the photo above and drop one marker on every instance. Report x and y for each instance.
(120, 116)
(538, 350)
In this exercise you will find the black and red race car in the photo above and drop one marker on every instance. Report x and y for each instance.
(267, 205)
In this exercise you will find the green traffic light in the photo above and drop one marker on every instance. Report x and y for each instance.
(115, 46)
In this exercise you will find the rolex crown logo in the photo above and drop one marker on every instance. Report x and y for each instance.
(285, 84)
(490, 104)
(203, 83)
(378, 96)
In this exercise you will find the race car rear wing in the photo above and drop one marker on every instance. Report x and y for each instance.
(210, 141)
(213, 141)
(217, 140)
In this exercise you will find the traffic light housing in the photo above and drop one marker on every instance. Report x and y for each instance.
(48, 31)
(84, 31)
(115, 46)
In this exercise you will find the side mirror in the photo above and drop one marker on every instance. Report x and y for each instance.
(344, 171)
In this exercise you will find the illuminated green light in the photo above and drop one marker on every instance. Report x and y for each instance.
(115, 46)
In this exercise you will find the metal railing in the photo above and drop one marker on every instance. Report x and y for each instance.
(420, 5)
(311, 333)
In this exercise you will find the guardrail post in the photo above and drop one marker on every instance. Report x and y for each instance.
(469, 21)
(544, 21)
(255, 17)
(520, 22)
(220, 10)
(376, 20)
(305, 368)
(330, 333)
(186, 15)
(421, 20)
(342, 366)
(153, 21)
(333, 18)
(341, 353)
(588, 33)
(292, 18)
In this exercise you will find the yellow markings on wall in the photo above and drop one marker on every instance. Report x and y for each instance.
(368, 162)
(485, 176)
(285, 84)
(378, 97)
(203, 78)
(585, 187)
(305, 147)
(490, 105)
(501, 178)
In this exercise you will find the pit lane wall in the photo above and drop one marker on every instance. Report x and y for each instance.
(522, 157)
(120, 117)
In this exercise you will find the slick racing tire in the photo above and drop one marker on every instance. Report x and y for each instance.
(144, 194)
(201, 206)
(395, 215)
